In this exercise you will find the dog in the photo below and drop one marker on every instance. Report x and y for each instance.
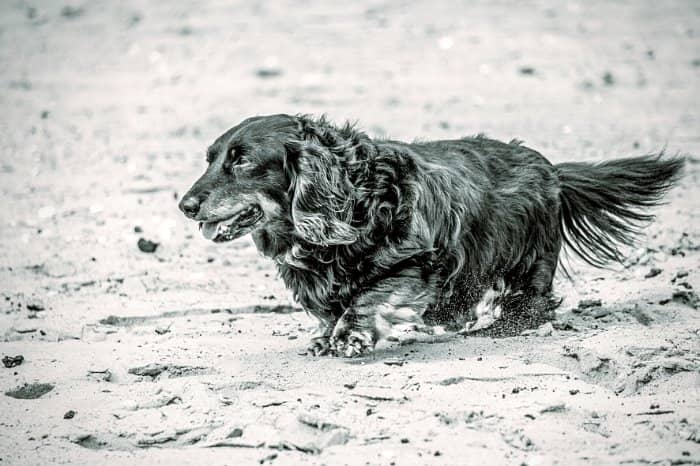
(369, 234)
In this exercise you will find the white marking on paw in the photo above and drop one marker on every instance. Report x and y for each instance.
(489, 309)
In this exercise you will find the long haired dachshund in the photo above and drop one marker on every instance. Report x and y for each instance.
(463, 233)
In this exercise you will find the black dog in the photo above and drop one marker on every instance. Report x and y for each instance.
(369, 234)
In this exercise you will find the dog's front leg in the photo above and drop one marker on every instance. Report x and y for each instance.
(320, 342)
(395, 300)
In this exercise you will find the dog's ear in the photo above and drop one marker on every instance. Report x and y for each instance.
(322, 196)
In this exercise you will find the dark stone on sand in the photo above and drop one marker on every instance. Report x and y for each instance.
(35, 305)
(608, 78)
(30, 391)
(12, 361)
(70, 414)
(686, 297)
(235, 433)
(147, 246)
(150, 370)
(265, 73)
(653, 272)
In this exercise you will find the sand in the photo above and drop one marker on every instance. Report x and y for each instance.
(194, 353)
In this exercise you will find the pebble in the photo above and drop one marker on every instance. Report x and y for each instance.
(147, 246)
(12, 361)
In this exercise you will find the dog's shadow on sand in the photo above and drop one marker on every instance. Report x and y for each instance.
(512, 336)
(448, 345)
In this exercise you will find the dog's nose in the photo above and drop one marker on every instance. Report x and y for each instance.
(190, 206)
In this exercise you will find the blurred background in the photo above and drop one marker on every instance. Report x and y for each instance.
(108, 107)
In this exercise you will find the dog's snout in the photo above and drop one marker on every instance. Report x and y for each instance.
(190, 206)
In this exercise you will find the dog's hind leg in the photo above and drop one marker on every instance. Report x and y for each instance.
(527, 303)
(489, 308)
(400, 299)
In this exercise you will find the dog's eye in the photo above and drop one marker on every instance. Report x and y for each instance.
(233, 157)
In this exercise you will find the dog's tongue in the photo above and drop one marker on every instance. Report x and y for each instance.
(209, 229)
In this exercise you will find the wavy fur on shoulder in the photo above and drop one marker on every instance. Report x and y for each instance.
(372, 233)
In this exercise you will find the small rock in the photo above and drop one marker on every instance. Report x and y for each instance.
(589, 303)
(686, 297)
(527, 70)
(266, 73)
(558, 408)
(163, 330)
(35, 305)
(608, 78)
(70, 414)
(678, 275)
(149, 370)
(574, 391)
(350, 385)
(138, 229)
(30, 391)
(653, 272)
(12, 361)
(268, 459)
(235, 433)
(147, 246)
(103, 375)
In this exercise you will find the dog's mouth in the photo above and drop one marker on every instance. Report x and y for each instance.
(237, 225)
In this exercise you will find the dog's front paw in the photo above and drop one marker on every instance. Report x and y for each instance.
(319, 346)
(351, 343)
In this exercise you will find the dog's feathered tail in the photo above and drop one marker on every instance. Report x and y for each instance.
(602, 205)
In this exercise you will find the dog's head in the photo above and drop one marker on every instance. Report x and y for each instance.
(278, 172)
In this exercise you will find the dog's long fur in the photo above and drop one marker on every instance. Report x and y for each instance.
(466, 233)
